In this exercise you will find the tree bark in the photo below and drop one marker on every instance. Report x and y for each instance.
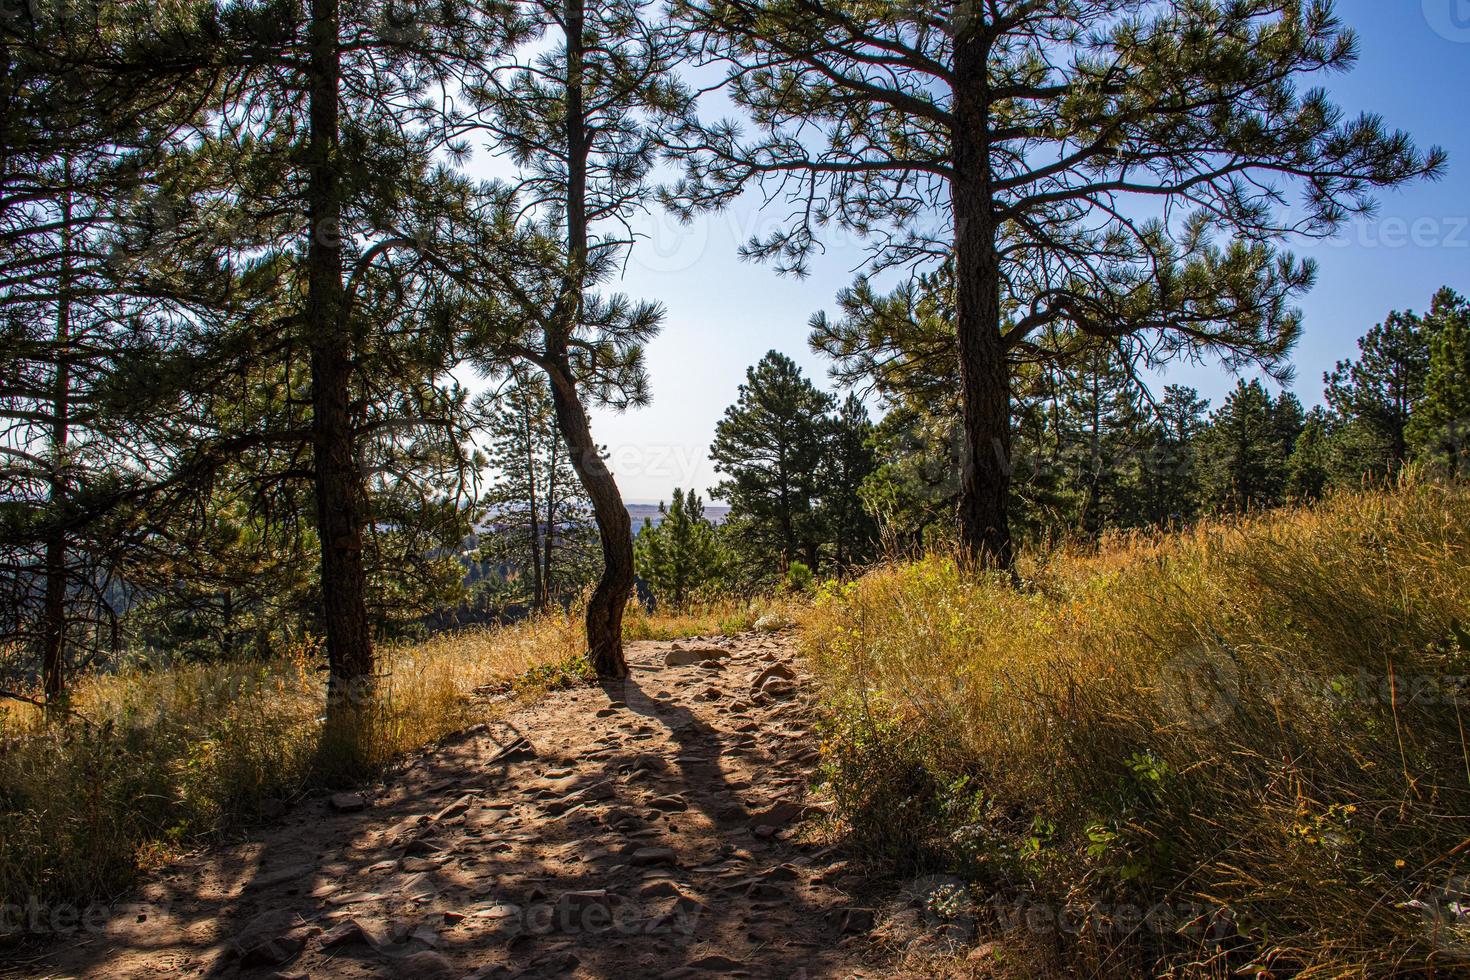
(53, 612)
(538, 580)
(550, 539)
(614, 526)
(339, 480)
(985, 389)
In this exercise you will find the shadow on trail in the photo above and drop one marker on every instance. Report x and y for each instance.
(551, 847)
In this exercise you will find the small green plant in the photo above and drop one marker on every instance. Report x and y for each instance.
(799, 578)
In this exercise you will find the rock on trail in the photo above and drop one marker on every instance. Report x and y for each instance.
(649, 828)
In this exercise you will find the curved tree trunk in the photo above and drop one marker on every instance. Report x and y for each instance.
(984, 370)
(614, 526)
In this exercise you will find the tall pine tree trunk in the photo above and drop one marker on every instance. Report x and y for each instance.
(339, 482)
(538, 574)
(614, 526)
(53, 611)
(550, 540)
(985, 387)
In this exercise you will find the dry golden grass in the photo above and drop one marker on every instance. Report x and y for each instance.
(703, 618)
(167, 756)
(1254, 727)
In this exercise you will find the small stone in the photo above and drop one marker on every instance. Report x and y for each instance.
(778, 815)
(348, 802)
(519, 751)
(771, 623)
(982, 954)
(353, 898)
(680, 656)
(458, 808)
(764, 891)
(353, 931)
(771, 673)
(851, 921)
(645, 857)
(660, 888)
(670, 804)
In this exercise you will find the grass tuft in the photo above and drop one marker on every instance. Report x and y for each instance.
(169, 756)
(1255, 730)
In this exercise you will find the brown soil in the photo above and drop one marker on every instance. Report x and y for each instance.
(652, 828)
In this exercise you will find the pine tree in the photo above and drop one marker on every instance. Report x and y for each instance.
(540, 520)
(1247, 449)
(681, 554)
(1167, 480)
(846, 464)
(1312, 464)
(770, 445)
(337, 209)
(582, 118)
(1377, 393)
(1440, 428)
(80, 150)
(1026, 141)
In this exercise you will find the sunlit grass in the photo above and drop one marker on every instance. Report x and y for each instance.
(1259, 722)
(705, 618)
(156, 759)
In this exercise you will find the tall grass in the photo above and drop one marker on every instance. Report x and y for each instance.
(157, 759)
(705, 617)
(1254, 730)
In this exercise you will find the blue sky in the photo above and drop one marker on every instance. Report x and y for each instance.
(724, 314)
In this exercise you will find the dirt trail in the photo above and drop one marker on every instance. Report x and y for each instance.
(647, 829)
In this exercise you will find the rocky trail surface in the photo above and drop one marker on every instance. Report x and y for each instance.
(649, 828)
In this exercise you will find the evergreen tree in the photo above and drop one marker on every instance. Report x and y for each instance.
(1312, 463)
(582, 117)
(1167, 481)
(846, 465)
(770, 446)
(1100, 432)
(681, 554)
(1246, 452)
(1024, 141)
(88, 116)
(1440, 428)
(1376, 394)
(541, 523)
(337, 207)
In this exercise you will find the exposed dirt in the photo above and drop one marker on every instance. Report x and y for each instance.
(646, 829)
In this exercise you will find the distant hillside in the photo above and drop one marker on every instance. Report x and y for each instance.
(638, 512)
